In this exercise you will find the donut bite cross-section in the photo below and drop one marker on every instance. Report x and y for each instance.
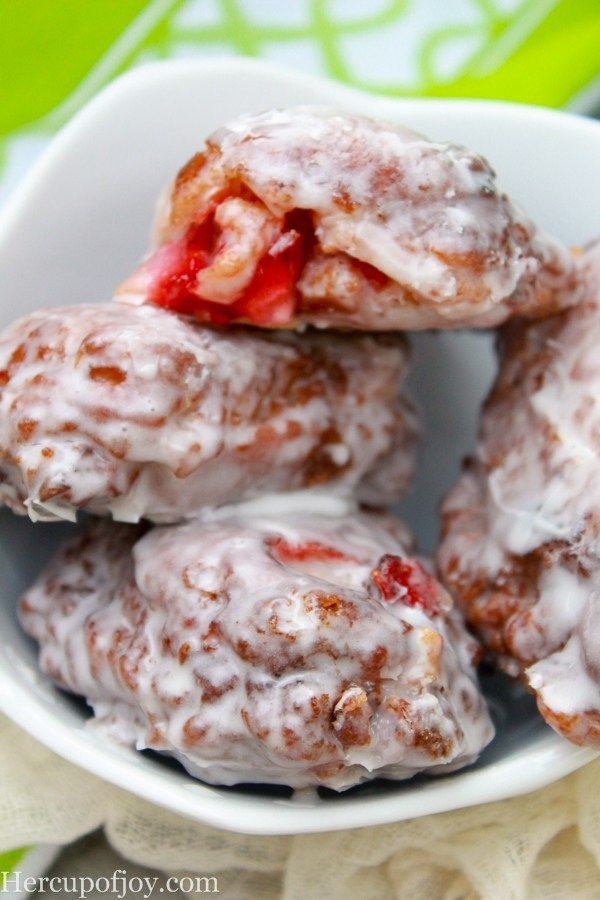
(307, 216)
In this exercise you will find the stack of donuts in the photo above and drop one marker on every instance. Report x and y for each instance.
(233, 427)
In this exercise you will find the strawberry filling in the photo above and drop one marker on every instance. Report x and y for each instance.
(405, 580)
(376, 279)
(310, 551)
(268, 299)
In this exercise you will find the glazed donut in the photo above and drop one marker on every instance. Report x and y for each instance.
(521, 529)
(301, 649)
(309, 216)
(137, 412)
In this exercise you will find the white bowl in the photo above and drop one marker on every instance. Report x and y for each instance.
(79, 223)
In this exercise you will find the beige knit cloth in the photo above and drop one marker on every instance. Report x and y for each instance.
(544, 845)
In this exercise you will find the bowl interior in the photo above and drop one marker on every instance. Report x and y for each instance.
(79, 224)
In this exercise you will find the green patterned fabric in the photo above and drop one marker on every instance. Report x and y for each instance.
(57, 53)
(8, 861)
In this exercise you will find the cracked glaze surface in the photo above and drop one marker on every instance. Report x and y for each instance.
(521, 532)
(310, 216)
(298, 649)
(140, 413)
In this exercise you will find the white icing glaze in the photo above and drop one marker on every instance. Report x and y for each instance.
(308, 502)
(521, 542)
(261, 649)
(427, 215)
(556, 677)
(248, 232)
(137, 412)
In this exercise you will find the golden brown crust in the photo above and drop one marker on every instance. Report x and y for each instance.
(520, 530)
(397, 232)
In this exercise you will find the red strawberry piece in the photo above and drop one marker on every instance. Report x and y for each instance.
(285, 552)
(404, 580)
(269, 298)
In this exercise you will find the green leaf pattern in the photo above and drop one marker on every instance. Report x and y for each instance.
(495, 48)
